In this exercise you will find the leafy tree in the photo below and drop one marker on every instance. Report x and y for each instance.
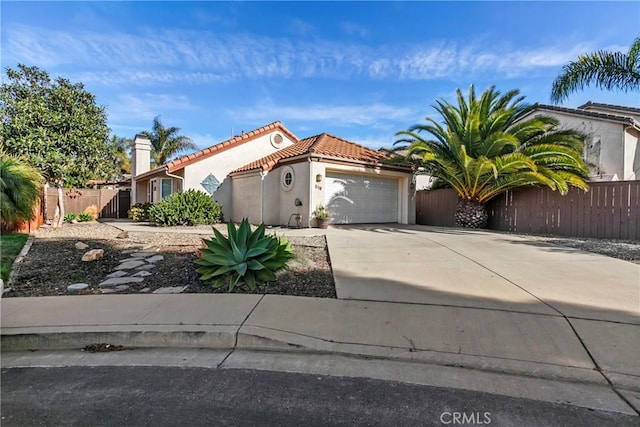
(166, 143)
(20, 186)
(56, 126)
(606, 70)
(485, 146)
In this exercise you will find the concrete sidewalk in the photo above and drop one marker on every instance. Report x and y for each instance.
(517, 354)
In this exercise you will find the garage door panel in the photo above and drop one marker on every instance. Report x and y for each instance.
(354, 199)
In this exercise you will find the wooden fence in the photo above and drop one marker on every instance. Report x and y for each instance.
(77, 200)
(608, 210)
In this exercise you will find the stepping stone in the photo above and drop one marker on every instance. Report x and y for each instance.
(77, 287)
(122, 288)
(142, 273)
(170, 290)
(155, 258)
(135, 259)
(146, 267)
(145, 290)
(120, 281)
(129, 265)
(117, 274)
(141, 254)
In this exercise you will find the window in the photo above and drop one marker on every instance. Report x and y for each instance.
(287, 178)
(167, 187)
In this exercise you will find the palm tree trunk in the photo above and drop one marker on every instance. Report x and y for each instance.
(471, 214)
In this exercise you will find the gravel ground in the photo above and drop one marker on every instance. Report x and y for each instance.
(53, 262)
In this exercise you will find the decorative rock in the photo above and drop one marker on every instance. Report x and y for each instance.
(142, 273)
(122, 288)
(120, 281)
(82, 246)
(77, 287)
(122, 235)
(145, 290)
(129, 265)
(107, 291)
(93, 255)
(155, 258)
(170, 290)
(74, 221)
(118, 274)
(146, 267)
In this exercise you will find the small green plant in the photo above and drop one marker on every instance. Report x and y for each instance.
(191, 207)
(139, 212)
(245, 257)
(321, 212)
(70, 216)
(85, 217)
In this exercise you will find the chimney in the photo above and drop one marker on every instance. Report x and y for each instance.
(141, 163)
(141, 155)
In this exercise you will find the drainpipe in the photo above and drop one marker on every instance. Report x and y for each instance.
(263, 175)
(166, 172)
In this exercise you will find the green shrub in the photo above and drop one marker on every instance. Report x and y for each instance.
(19, 189)
(70, 216)
(139, 212)
(245, 257)
(84, 217)
(191, 207)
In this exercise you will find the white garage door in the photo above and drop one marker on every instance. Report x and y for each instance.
(361, 199)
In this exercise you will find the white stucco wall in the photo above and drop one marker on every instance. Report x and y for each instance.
(226, 161)
(605, 145)
(631, 154)
(246, 199)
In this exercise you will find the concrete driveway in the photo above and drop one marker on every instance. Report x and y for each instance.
(478, 291)
(466, 268)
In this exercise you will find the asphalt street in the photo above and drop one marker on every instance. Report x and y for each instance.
(193, 396)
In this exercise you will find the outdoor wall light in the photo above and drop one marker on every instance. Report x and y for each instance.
(319, 178)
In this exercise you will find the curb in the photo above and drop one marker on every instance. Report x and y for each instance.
(235, 337)
(15, 267)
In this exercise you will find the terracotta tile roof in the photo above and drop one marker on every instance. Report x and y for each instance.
(183, 161)
(322, 145)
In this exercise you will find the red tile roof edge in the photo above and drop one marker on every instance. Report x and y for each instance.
(271, 161)
(191, 158)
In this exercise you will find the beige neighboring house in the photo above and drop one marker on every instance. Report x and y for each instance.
(612, 147)
(269, 175)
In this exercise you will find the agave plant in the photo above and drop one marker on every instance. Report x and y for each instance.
(244, 257)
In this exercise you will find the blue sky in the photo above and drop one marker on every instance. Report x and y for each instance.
(359, 70)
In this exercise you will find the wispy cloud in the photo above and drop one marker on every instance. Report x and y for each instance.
(146, 106)
(351, 28)
(377, 114)
(205, 57)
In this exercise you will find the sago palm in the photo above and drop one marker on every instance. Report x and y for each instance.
(166, 143)
(485, 146)
(606, 70)
(19, 189)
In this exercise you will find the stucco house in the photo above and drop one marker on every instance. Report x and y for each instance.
(612, 147)
(270, 175)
